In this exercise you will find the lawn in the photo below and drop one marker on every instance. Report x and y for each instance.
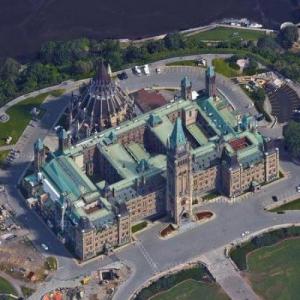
(225, 34)
(223, 67)
(20, 116)
(6, 287)
(191, 290)
(210, 196)
(3, 155)
(274, 271)
(190, 63)
(139, 226)
(294, 205)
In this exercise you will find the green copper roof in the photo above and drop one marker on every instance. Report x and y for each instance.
(39, 145)
(186, 82)
(210, 72)
(62, 133)
(177, 137)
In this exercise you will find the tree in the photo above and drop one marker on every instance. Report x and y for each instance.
(288, 36)
(10, 70)
(291, 135)
(259, 95)
(269, 43)
(133, 53)
(82, 67)
(251, 68)
(155, 46)
(174, 41)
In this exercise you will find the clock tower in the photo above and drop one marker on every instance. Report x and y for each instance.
(179, 175)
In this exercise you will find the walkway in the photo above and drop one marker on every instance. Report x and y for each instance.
(6, 147)
(227, 276)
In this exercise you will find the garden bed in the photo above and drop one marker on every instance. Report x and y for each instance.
(167, 231)
(203, 215)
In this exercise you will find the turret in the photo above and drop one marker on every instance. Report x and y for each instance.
(64, 139)
(179, 176)
(39, 155)
(210, 82)
(186, 89)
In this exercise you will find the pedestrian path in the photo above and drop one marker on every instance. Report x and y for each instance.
(147, 256)
(227, 276)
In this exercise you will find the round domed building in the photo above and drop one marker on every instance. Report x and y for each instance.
(101, 105)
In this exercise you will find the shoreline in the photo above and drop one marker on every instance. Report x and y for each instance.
(193, 30)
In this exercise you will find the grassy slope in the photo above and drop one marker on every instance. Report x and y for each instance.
(223, 34)
(20, 116)
(222, 67)
(6, 287)
(191, 290)
(275, 271)
(294, 205)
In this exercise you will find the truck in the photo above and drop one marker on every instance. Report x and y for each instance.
(146, 70)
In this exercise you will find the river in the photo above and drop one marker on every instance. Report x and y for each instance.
(25, 24)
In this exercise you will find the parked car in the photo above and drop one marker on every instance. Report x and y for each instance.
(137, 70)
(45, 247)
(122, 76)
(274, 198)
(146, 70)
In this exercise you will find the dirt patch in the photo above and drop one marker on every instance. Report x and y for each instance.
(21, 260)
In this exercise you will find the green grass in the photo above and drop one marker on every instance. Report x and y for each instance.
(51, 263)
(191, 290)
(210, 196)
(225, 34)
(6, 287)
(294, 205)
(27, 292)
(223, 67)
(139, 226)
(191, 63)
(3, 155)
(20, 116)
(274, 271)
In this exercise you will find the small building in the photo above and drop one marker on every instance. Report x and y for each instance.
(147, 100)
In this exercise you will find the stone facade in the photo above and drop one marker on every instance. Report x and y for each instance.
(161, 163)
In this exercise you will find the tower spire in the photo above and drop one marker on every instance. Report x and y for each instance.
(177, 137)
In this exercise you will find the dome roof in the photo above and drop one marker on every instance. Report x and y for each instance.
(104, 103)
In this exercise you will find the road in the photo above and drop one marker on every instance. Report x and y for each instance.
(150, 255)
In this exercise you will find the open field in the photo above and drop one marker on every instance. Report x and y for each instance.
(223, 67)
(294, 205)
(20, 116)
(6, 287)
(274, 271)
(3, 155)
(226, 34)
(191, 290)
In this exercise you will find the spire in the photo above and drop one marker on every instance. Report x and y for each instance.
(39, 145)
(210, 72)
(177, 137)
(185, 82)
(102, 75)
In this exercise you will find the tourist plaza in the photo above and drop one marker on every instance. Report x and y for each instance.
(114, 168)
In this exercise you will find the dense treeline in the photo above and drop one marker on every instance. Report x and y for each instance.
(58, 61)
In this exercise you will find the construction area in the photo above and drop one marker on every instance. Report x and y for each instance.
(100, 285)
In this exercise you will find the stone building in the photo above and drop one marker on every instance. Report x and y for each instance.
(160, 163)
(102, 104)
